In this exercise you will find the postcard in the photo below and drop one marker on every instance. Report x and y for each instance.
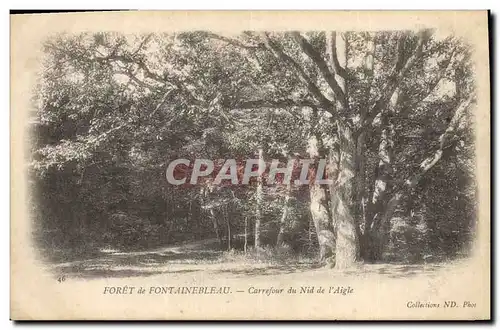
(250, 165)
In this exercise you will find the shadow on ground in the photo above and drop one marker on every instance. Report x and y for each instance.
(139, 263)
(393, 270)
(271, 270)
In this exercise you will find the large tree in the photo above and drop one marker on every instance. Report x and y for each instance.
(373, 90)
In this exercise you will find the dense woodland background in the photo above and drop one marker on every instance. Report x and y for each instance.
(392, 111)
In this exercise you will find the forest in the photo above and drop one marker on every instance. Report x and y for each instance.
(390, 111)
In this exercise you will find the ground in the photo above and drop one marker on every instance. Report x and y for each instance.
(202, 257)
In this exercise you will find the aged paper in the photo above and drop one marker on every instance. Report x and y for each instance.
(132, 194)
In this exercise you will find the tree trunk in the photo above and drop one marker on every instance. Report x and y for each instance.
(310, 242)
(245, 246)
(319, 207)
(322, 223)
(347, 244)
(362, 193)
(284, 215)
(360, 184)
(229, 234)
(373, 239)
(342, 206)
(343, 192)
(216, 227)
(258, 211)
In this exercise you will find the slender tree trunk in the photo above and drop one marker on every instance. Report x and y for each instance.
(190, 223)
(228, 224)
(284, 215)
(310, 234)
(258, 211)
(215, 223)
(359, 210)
(245, 246)
(216, 227)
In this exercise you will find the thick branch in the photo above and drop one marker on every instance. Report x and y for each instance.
(131, 60)
(139, 82)
(162, 102)
(332, 46)
(313, 89)
(104, 134)
(234, 42)
(320, 62)
(142, 44)
(445, 140)
(149, 74)
(285, 103)
(433, 84)
(402, 66)
(369, 67)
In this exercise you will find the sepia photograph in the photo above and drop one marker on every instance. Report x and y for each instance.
(250, 165)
